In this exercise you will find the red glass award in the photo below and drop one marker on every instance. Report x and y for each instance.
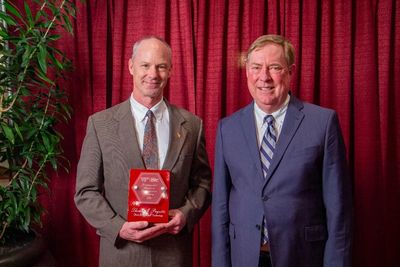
(149, 195)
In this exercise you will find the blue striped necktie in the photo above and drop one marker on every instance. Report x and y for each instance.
(266, 153)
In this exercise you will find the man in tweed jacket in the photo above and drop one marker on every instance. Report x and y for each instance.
(113, 146)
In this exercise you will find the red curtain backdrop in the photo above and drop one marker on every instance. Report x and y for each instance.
(348, 59)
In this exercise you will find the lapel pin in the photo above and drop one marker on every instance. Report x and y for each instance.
(178, 134)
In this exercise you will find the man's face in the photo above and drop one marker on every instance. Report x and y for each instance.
(268, 77)
(150, 69)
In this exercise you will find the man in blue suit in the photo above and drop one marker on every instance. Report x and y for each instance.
(282, 195)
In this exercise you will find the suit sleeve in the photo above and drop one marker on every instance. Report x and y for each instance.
(198, 197)
(221, 254)
(89, 197)
(337, 194)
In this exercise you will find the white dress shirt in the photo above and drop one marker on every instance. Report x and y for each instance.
(161, 113)
(278, 115)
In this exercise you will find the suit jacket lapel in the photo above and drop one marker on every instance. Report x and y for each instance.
(127, 134)
(248, 122)
(177, 137)
(293, 119)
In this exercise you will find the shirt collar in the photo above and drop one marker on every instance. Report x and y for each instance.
(140, 110)
(260, 114)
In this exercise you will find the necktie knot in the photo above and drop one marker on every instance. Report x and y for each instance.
(150, 115)
(269, 119)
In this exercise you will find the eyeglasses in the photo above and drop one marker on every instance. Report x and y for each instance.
(273, 69)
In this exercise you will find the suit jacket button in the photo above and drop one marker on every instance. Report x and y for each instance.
(265, 198)
(258, 226)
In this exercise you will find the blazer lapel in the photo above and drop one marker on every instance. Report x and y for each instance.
(128, 137)
(293, 119)
(177, 137)
(248, 122)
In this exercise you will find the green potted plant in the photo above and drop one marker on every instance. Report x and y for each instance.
(32, 103)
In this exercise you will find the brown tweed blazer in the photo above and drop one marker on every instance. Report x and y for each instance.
(110, 149)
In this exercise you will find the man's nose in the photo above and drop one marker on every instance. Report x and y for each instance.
(153, 72)
(264, 74)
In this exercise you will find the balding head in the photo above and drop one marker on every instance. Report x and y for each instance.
(139, 42)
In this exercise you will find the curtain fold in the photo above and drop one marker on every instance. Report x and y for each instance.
(347, 58)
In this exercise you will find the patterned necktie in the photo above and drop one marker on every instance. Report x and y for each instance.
(266, 153)
(150, 148)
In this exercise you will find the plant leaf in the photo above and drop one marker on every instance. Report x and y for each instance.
(43, 76)
(46, 141)
(8, 132)
(53, 162)
(41, 57)
(12, 9)
(8, 19)
(3, 34)
(17, 130)
(28, 14)
(54, 37)
(56, 61)
(68, 25)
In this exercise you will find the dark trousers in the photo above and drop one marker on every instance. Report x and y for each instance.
(265, 259)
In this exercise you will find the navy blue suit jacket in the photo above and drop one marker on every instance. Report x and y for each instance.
(306, 196)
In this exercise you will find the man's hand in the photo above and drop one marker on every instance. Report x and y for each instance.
(137, 231)
(177, 222)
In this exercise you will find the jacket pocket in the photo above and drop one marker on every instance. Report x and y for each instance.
(315, 233)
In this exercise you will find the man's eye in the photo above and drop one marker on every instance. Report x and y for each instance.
(255, 67)
(146, 66)
(275, 67)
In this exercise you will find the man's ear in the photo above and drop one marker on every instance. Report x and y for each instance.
(170, 71)
(130, 66)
